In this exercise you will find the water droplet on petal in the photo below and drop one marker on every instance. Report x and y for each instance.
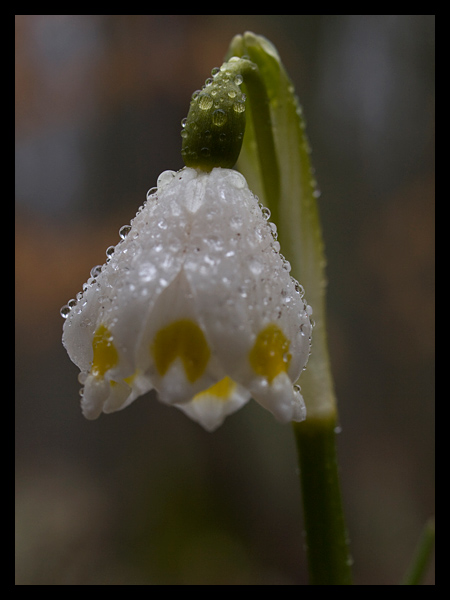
(151, 192)
(82, 377)
(273, 230)
(95, 271)
(265, 213)
(123, 232)
(65, 311)
(256, 266)
(276, 247)
(164, 179)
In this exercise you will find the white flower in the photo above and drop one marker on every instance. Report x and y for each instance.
(196, 302)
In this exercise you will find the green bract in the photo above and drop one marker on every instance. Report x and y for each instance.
(214, 128)
(275, 160)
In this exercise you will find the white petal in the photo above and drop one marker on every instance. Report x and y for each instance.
(211, 407)
(279, 397)
(174, 351)
(241, 284)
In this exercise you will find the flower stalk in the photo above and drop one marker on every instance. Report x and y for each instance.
(275, 160)
(329, 560)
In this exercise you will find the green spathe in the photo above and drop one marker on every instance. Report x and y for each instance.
(275, 159)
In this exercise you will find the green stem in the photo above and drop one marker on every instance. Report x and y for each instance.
(327, 547)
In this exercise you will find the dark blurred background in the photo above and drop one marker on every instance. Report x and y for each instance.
(145, 496)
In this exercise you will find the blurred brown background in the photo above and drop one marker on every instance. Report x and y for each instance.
(145, 496)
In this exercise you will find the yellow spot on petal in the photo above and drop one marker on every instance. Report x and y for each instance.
(185, 340)
(223, 389)
(129, 380)
(270, 353)
(105, 354)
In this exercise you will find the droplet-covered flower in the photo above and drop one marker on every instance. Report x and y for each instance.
(194, 301)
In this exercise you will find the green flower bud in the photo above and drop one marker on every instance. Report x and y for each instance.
(214, 128)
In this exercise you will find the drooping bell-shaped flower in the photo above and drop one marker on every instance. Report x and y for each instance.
(195, 301)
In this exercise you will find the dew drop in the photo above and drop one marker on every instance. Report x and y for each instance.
(205, 102)
(183, 122)
(123, 232)
(214, 71)
(238, 79)
(239, 106)
(219, 117)
(110, 251)
(265, 213)
(82, 377)
(298, 287)
(286, 265)
(65, 311)
(237, 180)
(164, 179)
(256, 266)
(276, 247)
(95, 271)
(273, 230)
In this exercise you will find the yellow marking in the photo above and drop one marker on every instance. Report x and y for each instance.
(222, 390)
(105, 354)
(270, 353)
(130, 379)
(183, 339)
